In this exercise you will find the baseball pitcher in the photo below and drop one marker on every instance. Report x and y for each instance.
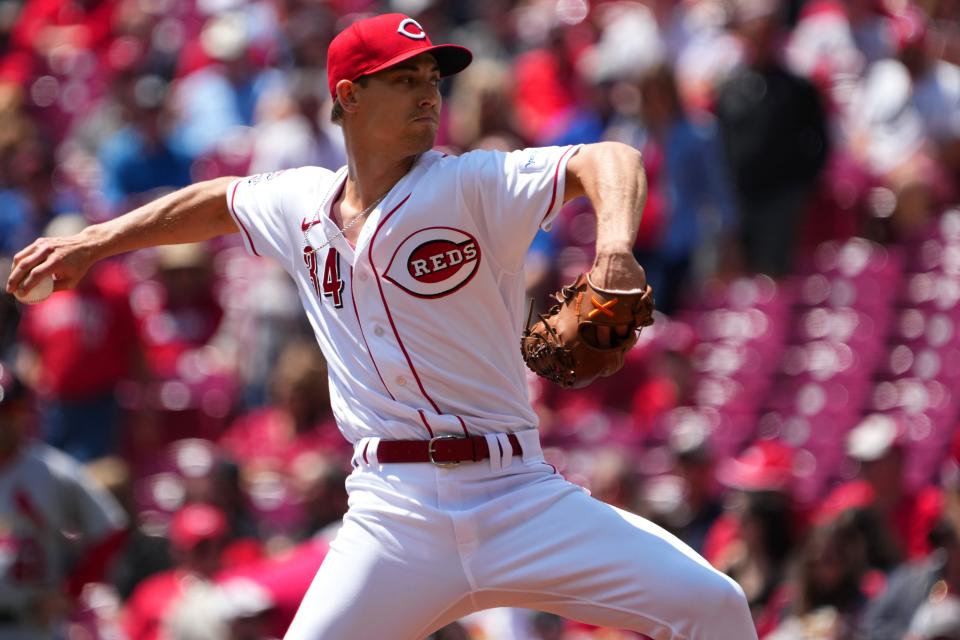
(409, 264)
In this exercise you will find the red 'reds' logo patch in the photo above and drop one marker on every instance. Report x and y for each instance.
(434, 262)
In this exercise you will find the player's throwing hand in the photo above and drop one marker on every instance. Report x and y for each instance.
(64, 259)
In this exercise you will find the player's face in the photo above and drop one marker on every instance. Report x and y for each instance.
(401, 105)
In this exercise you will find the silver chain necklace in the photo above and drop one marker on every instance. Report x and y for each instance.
(360, 216)
(343, 230)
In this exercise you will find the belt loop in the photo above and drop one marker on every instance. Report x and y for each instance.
(507, 448)
(358, 450)
(530, 443)
(372, 451)
(493, 444)
(365, 453)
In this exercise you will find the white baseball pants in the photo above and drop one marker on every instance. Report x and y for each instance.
(422, 546)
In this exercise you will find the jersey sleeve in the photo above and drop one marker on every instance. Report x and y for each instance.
(515, 194)
(259, 206)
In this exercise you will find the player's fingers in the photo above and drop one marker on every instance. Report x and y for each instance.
(37, 274)
(18, 280)
(24, 262)
(31, 248)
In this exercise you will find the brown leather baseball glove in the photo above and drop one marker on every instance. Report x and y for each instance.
(563, 347)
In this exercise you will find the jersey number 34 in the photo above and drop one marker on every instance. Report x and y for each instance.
(330, 285)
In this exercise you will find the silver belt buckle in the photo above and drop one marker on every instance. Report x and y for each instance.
(430, 451)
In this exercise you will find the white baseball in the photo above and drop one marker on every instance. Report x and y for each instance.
(40, 291)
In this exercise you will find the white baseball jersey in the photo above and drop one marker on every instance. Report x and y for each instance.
(415, 321)
(44, 497)
(420, 324)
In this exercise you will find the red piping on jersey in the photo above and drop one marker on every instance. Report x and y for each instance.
(236, 218)
(556, 178)
(353, 299)
(393, 325)
(95, 560)
(423, 418)
(365, 445)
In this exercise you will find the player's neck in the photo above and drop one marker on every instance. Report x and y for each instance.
(372, 175)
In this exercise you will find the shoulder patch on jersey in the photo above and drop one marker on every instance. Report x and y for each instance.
(533, 161)
(434, 262)
(263, 177)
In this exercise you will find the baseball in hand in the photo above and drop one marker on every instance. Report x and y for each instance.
(40, 292)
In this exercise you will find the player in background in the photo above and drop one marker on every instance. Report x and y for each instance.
(58, 530)
(409, 266)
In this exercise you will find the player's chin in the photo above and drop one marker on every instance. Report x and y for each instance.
(422, 136)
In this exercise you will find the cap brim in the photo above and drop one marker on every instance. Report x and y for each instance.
(190, 541)
(737, 475)
(451, 59)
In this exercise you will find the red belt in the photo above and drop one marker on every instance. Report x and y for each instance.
(445, 450)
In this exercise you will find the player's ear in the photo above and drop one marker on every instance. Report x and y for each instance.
(347, 95)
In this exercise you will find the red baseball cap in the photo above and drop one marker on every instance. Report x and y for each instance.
(372, 45)
(856, 494)
(766, 465)
(195, 523)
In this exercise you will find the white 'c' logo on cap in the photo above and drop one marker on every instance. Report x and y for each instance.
(414, 35)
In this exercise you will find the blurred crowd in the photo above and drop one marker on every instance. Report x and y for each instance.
(169, 466)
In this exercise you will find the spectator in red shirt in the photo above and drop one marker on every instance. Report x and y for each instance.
(78, 346)
(752, 544)
(297, 418)
(877, 445)
(197, 534)
(842, 565)
(44, 25)
(293, 440)
(179, 314)
(178, 310)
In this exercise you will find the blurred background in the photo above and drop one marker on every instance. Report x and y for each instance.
(169, 467)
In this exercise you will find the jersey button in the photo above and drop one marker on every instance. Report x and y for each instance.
(363, 276)
(401, 381)
(378, 331)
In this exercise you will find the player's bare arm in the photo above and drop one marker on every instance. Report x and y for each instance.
(192, 214)
(611, 175)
